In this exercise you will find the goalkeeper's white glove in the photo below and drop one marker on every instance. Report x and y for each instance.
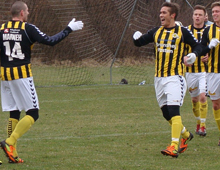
(213, 43)
(137, 35)
(191, 58)
(75, 25)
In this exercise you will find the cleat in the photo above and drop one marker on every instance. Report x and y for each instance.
(202, 131)
(219, 142)
(197, 129)
(170, 151)
(18, 160)
(184, 143)
(8, 149)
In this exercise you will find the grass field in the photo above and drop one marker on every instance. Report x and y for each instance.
(81, 75)
(118, 127)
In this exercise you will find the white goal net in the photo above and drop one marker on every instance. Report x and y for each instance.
(103, 51)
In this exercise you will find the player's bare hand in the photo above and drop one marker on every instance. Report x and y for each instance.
(205, 58)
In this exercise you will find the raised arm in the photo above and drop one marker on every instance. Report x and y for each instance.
(35, 35)
(144, 39)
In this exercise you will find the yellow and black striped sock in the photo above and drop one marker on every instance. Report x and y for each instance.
(22, 127)
(10, 128)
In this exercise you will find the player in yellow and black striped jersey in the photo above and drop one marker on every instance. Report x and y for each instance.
(169, 48)
(17, 38)
(169, 41)
(196, 74)
(17, 87)
(198, 66)
(211, 37)
(14, 35)
(207, 22)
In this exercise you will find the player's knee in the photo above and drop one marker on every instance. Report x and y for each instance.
(174, 110)
(165, 113)
(33, 113)
(195, 99)
(15, 114)
(203, 99)
(216, 104)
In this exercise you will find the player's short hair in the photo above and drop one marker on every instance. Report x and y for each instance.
(174, 8)
(200, 7)
(214, 4)
(17, 7)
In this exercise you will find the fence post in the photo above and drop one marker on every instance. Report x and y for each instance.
(122, 36)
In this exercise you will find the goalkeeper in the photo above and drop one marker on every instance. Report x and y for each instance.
(17, 86)
(170, 85)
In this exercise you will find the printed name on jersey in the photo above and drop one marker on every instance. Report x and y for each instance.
(168, 45)
(161, 48)
(14, 37)
(165, 50)
(12, 34)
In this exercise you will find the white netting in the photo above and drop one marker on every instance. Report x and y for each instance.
(85, 57)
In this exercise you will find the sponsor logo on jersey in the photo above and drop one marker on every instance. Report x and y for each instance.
(6, 30)
(175, 35)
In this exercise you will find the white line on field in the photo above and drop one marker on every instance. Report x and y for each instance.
(98, 136)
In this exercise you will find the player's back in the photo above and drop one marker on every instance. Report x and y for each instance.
(15, 51)
(15, 44)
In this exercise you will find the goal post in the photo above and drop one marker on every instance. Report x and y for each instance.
(122, 37)
(103, 51)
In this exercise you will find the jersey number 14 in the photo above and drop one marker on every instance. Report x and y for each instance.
(16, 51)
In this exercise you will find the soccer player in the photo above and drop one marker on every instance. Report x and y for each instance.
(17, 86)
(196, 74)
(211, 36)
(207, 22)
(170, 85)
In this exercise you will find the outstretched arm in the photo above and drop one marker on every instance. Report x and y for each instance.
(144, 39)
(35, 35)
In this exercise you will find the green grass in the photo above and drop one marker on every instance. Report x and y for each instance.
(108, 128)
(63, 75)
